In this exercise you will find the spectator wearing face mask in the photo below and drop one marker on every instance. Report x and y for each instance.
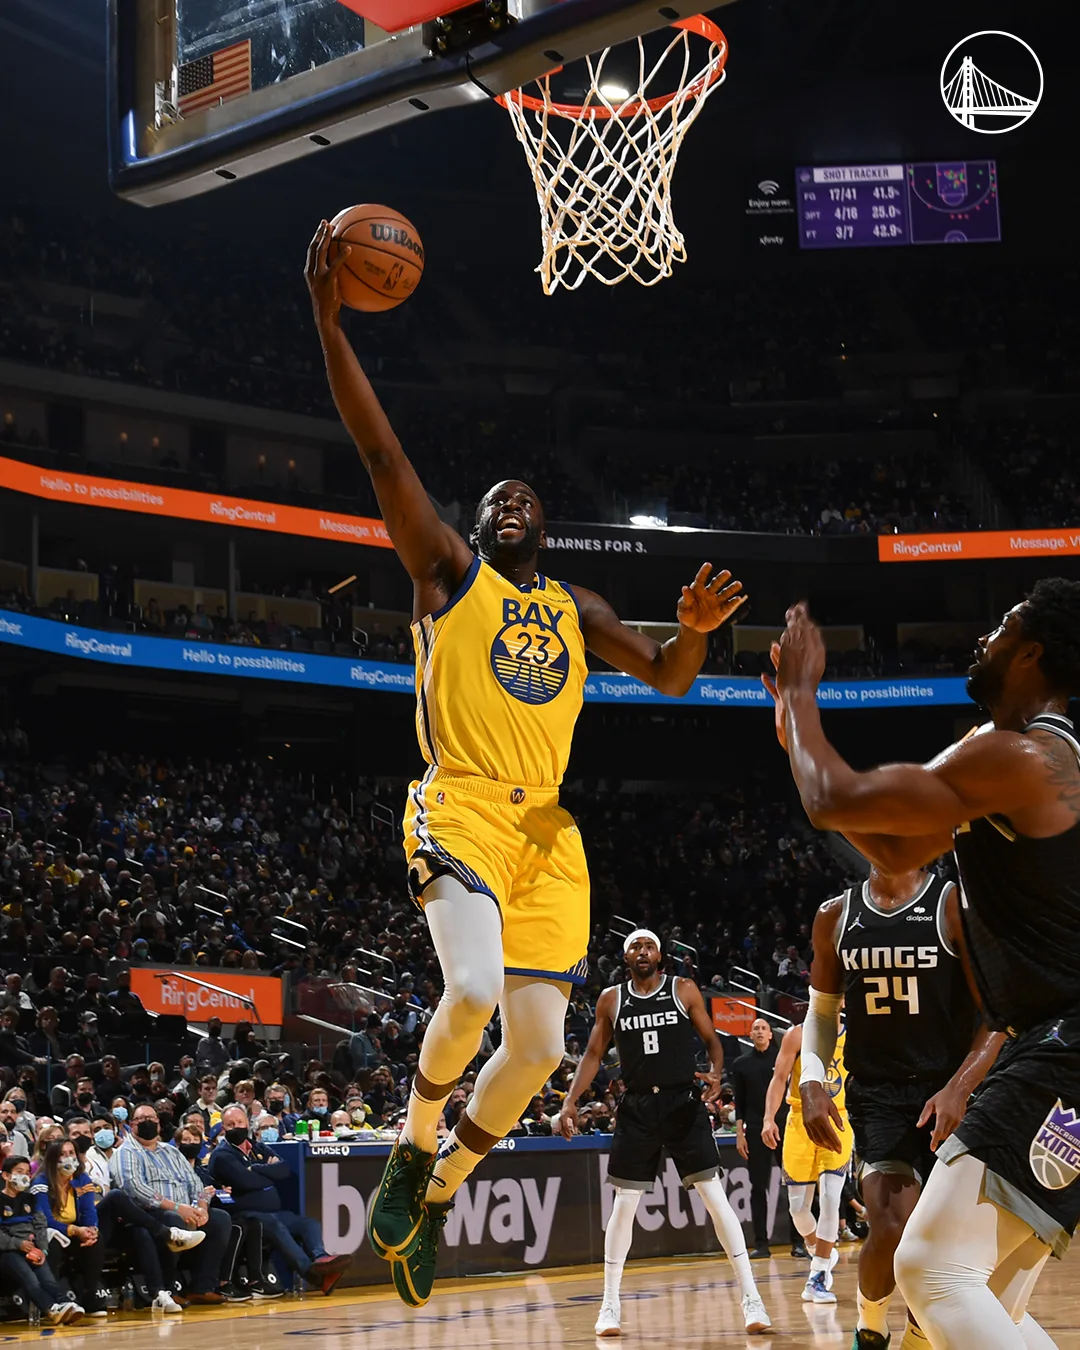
(188, 1084)
(250, 1171)
(120, 1110)
(318, 1106)
(23, 1242)
(279, 1105)
(103, 1143)
(65, 1196)
(160, 1181)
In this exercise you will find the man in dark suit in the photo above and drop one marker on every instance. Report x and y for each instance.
(751, 1074)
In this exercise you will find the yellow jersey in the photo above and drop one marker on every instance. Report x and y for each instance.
(835, 1077)
(500, 679)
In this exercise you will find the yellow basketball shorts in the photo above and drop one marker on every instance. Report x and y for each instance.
(804, 1162)
(517, 845)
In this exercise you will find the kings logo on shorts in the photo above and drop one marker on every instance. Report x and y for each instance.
(528, 656)
(1055, 1151)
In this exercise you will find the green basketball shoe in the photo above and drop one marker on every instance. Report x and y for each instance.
(397, 1212)
(414, 1275)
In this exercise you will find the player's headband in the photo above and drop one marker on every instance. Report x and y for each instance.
(640, 933)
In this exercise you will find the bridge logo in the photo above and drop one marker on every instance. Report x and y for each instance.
(978, 100)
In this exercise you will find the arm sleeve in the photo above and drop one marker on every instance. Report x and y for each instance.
(819, 1035)
(41, 1229)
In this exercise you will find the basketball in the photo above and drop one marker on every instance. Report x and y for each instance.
(386, 260)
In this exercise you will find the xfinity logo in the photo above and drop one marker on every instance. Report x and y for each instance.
(766, 239)
(14, 629)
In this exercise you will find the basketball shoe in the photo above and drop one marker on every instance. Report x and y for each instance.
(415, 1274)
(870, 1340)
(397, 1214)
(754, 1315)
(815, 1290)
(609, 1323)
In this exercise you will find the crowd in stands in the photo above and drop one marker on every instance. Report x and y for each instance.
(130, 860)
(768, 338)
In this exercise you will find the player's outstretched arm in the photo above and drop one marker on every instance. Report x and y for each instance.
(670, 667)
(599, 1040)
(432, 552)
(690, 997)
(774, 1097)
(979, 776)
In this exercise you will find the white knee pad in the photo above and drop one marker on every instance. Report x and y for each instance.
(830, 1191)
(800, 1202)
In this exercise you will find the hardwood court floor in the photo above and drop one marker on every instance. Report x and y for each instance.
(680, 1304)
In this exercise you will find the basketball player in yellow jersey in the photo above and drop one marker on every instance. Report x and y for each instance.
(496, 864)
(806, 1165)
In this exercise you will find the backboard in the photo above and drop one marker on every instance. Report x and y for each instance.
(202, 94)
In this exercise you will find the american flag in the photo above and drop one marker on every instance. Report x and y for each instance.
(215, 78)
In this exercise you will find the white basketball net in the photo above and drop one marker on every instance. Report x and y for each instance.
(603, 173)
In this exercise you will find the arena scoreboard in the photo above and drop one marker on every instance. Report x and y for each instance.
(886, 205)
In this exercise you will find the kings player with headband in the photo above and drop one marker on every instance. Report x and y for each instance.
(495, 863)
(656, 1021)
(1005, 1192)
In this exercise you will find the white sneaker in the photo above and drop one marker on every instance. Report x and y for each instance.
(183, 1239)
(816, 1290)
(55, 1315)
(72, 1312)
(165, 1303)
(754, 1314)
(609, 1323)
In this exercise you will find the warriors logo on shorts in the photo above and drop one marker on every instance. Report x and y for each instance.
(1055, 1151)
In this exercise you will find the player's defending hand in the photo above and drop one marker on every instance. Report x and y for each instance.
(821, 1118)
(566, 1121)
(769, 681)
(802, 652)
(770, 1134)
(713, 1086)
(709, 601)
(321, 276)
(948, 1107)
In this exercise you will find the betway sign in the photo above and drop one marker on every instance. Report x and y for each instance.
(541, 1203)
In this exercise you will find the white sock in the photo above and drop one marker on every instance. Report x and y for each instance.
(820, 1263)
(422, 1122)
(454, 1163)
(729, 1231)
(873, 1313)
(617, 1238)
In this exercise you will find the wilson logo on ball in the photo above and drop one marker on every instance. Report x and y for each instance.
(390, 234)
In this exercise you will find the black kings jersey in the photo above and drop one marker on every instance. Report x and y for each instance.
(908, 1010)
(655, 1038)
(1020, 909)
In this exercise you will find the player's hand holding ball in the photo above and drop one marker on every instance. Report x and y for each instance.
(709, 601)
(321, 276)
